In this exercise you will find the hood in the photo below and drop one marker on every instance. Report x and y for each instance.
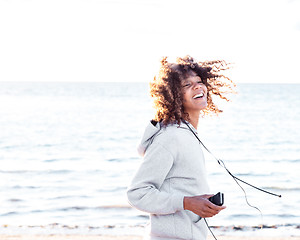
(151, 130)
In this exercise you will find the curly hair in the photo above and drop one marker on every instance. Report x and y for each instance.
(166, 87)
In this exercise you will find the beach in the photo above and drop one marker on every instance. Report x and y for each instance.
(125, 237)
(65, 165)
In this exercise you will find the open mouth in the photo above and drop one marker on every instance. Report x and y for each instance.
(200, 95)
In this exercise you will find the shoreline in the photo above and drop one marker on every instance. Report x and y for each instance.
(128, 237)
(111, 232)
(57, 231)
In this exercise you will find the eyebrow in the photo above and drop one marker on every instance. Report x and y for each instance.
(186, 80)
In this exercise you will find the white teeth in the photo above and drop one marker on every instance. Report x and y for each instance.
(200, 95)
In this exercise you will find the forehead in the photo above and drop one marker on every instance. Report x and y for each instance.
(192, 78)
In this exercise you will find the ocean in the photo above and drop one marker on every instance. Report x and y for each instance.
(68, 153)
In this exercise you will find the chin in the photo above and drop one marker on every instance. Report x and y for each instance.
(203, 106)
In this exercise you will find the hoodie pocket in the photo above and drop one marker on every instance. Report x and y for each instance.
(162, 226)
(183, 225)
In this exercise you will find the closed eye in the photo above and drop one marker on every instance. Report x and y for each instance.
(187, 85)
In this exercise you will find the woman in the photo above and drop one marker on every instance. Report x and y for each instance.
(171, 182)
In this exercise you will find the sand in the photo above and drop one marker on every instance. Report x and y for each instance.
(109, 237)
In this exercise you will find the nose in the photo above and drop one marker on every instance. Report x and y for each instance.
(197, 85)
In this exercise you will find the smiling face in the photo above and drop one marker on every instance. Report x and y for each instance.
(194, 94)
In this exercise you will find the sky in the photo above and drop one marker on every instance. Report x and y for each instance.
(124, 40)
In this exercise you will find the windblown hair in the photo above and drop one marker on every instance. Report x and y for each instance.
(166, 88)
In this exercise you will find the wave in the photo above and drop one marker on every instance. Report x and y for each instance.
(25, 187)
(15, 200)
(68, 197)
(8, 147)
(240, 216)
(61, 171)
(9, 214)
(85, 208)
(286, 160)
(285, 189)
(73, 208)
(112, 190)
(248, 216)
(114, 160)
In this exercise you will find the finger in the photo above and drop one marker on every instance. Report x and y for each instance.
(219, 208)
(208, 213)
(214, 206)
(222, 207)
(205, 211)
(207, 196)
(211, 210)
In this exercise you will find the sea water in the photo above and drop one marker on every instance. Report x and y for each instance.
(68, 153)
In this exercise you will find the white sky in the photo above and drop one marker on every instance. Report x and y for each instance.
(123, 40)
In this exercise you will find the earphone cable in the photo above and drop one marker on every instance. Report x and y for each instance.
(221, 163)
(210, 229)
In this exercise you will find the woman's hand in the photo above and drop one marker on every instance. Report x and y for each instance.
(201, 206)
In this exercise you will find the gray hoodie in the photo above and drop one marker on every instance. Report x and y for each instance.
(173, 167)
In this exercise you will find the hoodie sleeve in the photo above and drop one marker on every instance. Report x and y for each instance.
(144, 192)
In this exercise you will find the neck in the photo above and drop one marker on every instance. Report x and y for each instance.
(194, 118)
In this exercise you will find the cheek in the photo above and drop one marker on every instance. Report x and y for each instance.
(185, 101)
(184, 96)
